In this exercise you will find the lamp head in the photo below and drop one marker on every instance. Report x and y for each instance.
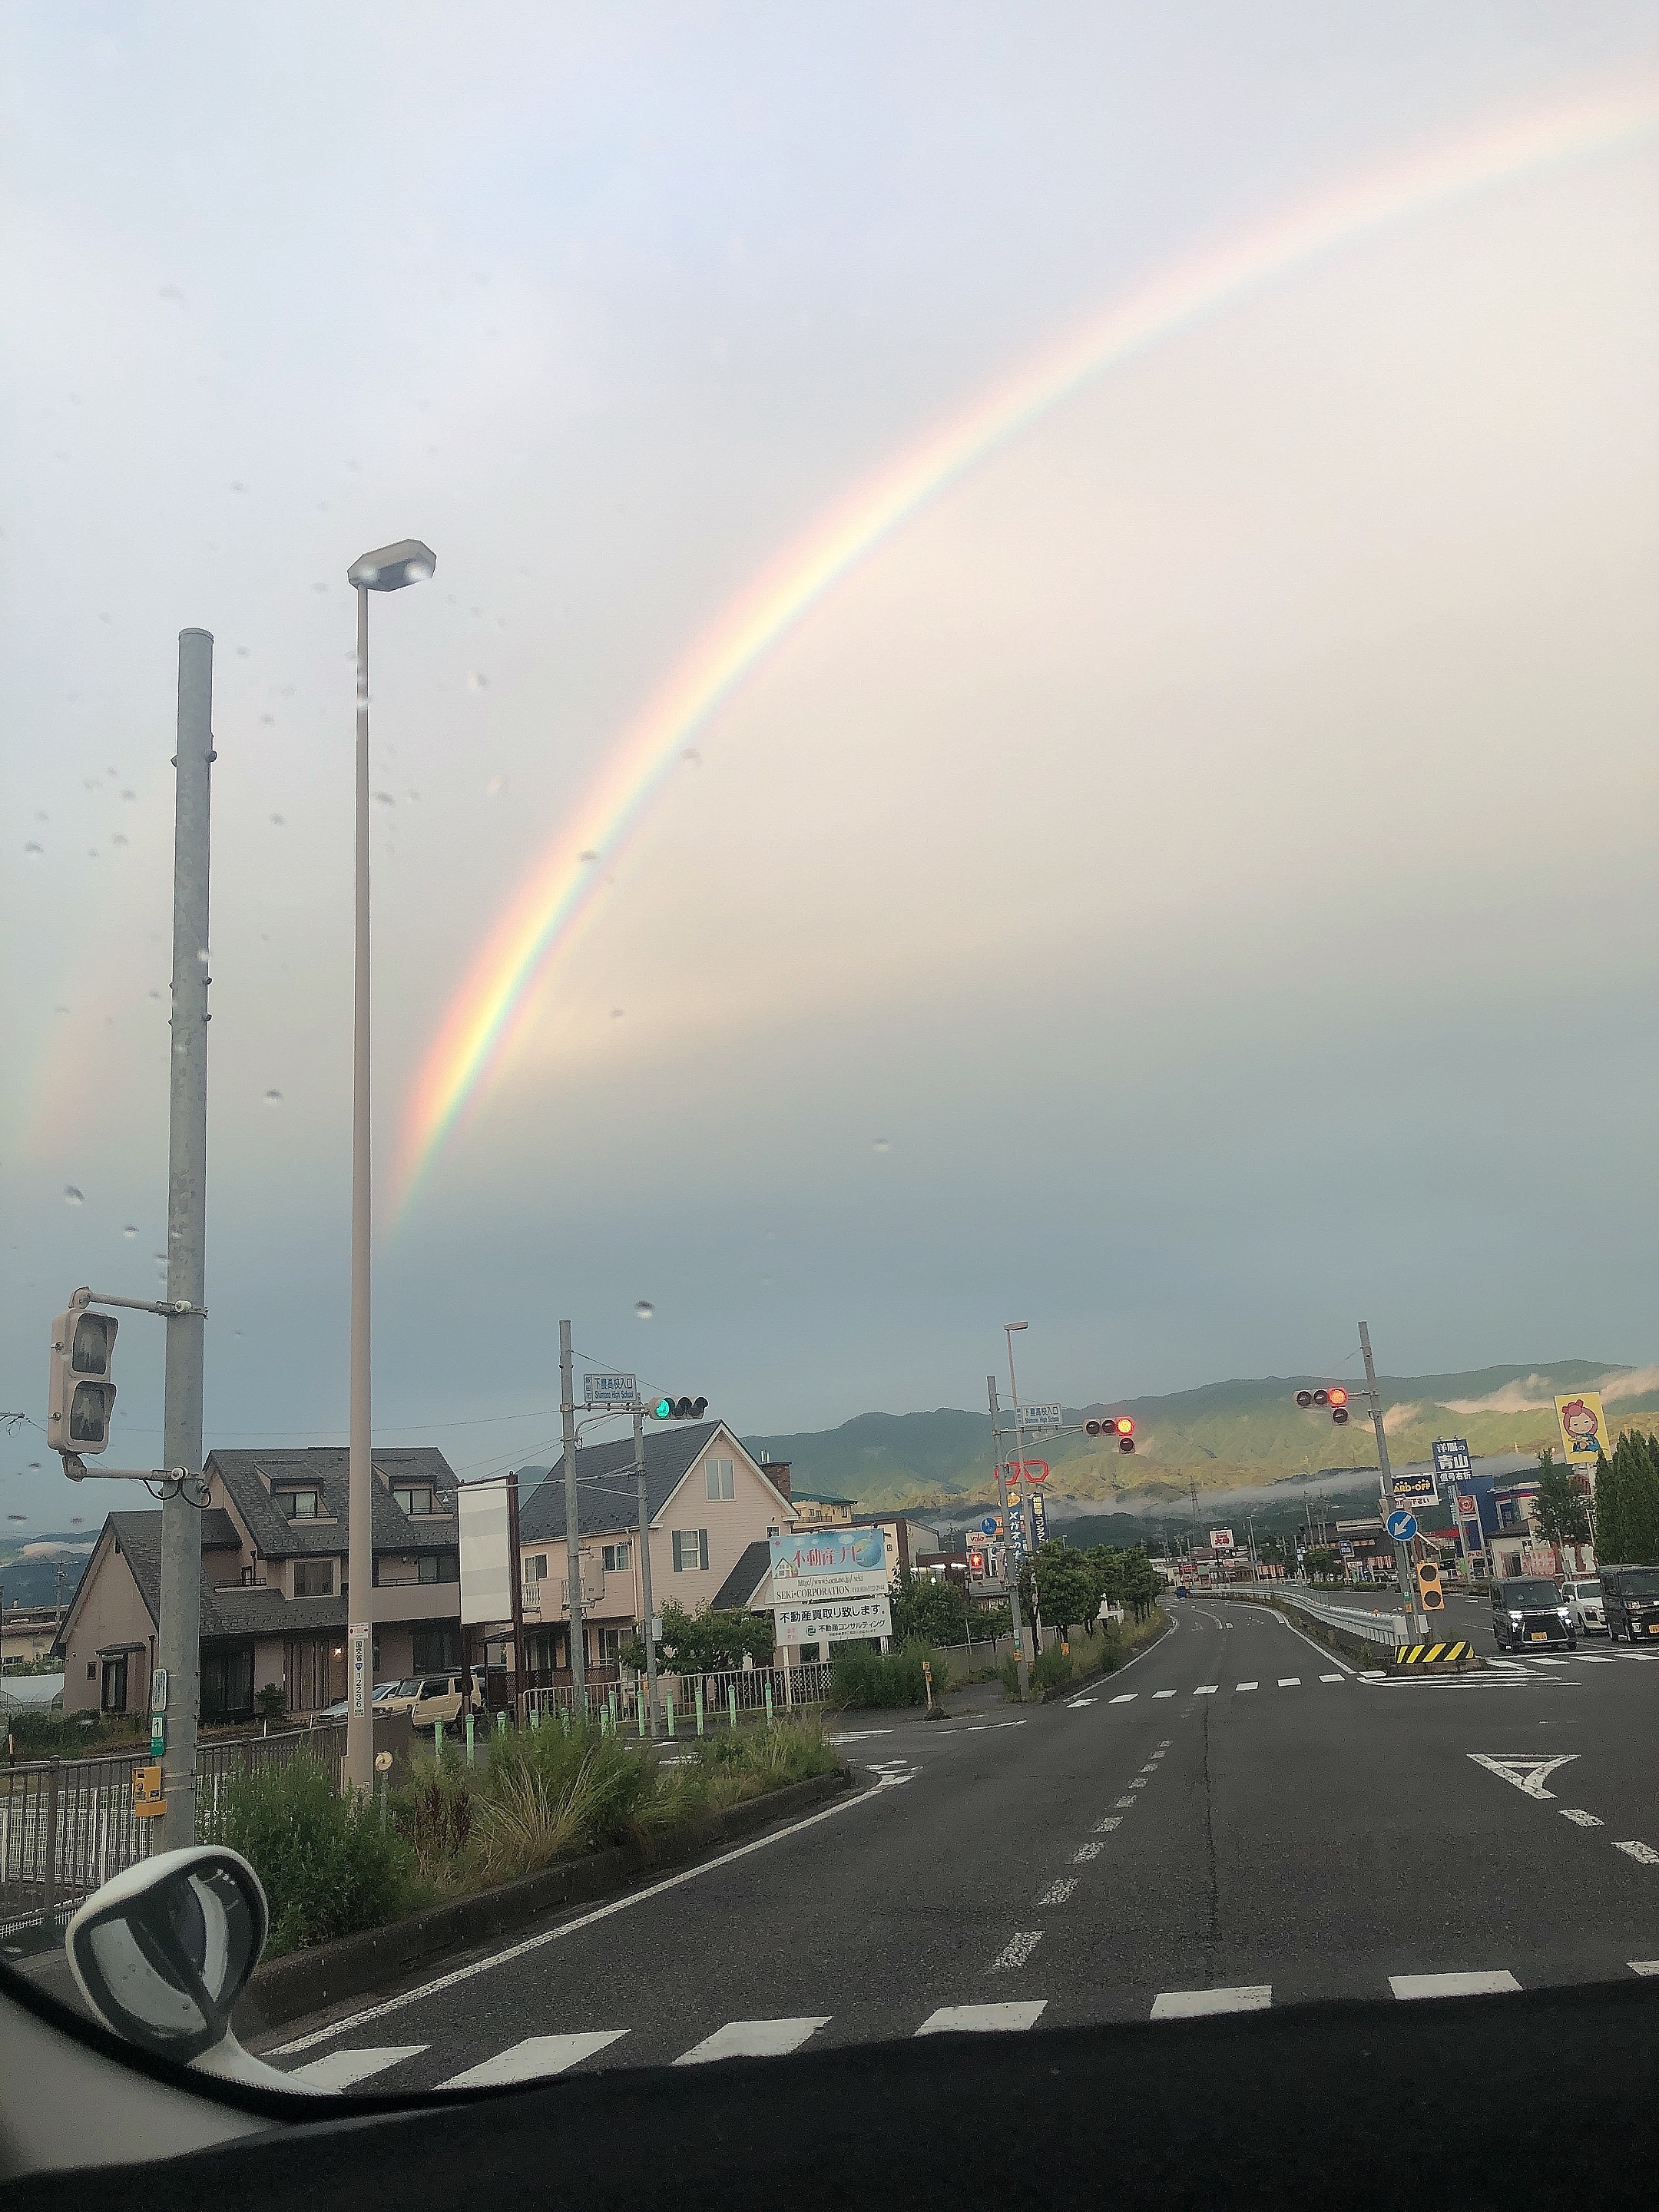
(389, 568)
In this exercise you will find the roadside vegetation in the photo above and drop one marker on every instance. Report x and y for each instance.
(332, 1865)
(861, 1676)
(1100, 1651)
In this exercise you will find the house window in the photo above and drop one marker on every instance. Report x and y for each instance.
(718, 1475)
(298, 1504)
(433, 1650)
(412, 1497)
(610, 1643)
(438, 1567)
(313, 1579)
(227, 1685)
(691, 1550)
(614, 1558)
(114, 1697)
(535, 1567)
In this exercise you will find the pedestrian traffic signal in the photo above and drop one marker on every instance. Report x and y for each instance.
(1119, 1426)
(80, 1398)
(1430, 1595)
(679, 1409)
(1336, 1398)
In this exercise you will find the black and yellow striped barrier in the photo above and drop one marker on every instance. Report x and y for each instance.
(1430, 1655)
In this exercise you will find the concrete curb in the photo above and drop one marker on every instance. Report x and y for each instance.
(311, 1981)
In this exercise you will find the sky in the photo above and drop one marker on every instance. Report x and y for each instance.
(1187, 883)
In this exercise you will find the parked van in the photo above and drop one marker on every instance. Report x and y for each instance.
(1629, 1602)
(485, 1690)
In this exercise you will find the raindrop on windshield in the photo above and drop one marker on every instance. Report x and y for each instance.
(131, 1228)
(643, 1309)
(273, 1097)
(494, 788)
(118, 839)
(35, 852)
(277, 822)
(616, 1013)
(71, 1196)
(384, 798)
(478, 682)
(882, 1145)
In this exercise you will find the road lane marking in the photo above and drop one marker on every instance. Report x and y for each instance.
(1076, 1704)
(1521, 1771)
(1644, 1854)
(534, 2059)
(1581, 1818)
(979, 2020)
(583, 1920)
(1246, 1685)
(1289, 1681)
(1151, 1767)
(1193, 2004)
(1207, 1689)
(340, 2069)
(1139, 1782)
(753, 2039)
(1057, 1892)
(1016, 1951)
(1643, 1966)
(1330, 1678)
(1120, 1802)
(1082, 1856)
(1164, 1693)
(1105, 1827)
(1409, 1986)
(1125, 1697)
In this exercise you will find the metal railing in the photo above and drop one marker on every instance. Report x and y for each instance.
(66, 1826)
(1370, 1627)
(746, 1689)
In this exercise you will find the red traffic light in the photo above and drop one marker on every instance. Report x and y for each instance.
(1337, 1394)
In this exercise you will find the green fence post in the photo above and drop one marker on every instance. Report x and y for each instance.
(564, 1719)
(699, 1698)
(501, 1723)
(732, 1705)
(768, 1700)
(468, 1740)
(642, 1716)
(668, 1700)
(535, 1716)
(437, 1738)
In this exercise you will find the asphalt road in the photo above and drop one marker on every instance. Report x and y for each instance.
(1236, 1820)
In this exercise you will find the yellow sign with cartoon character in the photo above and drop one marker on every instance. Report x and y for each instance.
(1583, 1428)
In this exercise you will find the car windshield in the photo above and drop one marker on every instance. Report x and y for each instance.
(846, 748)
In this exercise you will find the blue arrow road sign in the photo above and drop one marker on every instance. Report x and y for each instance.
(1402, 1526)
(987, 1526)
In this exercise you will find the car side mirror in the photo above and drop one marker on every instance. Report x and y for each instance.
(163, 1951)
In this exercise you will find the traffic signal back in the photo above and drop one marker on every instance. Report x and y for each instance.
(1430, 1595)
(80, 1398)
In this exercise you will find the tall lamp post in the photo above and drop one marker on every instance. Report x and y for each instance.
(386, 569)
(1009, 1329)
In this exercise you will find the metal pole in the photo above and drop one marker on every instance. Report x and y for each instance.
(358, 1771)
(1403, 1558)
(1020, 1493)
(179, 1643)
(645, 1572)
(572, 1532)
(515, 1568)
(1022, 1662)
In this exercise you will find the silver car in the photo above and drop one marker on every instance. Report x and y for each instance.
(1583, 1594)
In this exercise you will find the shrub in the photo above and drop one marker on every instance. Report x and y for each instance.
(546, 1794)
(859, 1676)
(1053, 1667)
(326, 1867)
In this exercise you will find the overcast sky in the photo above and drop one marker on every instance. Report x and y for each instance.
(1190, 886)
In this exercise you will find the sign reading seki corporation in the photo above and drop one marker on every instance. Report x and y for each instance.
(822, 1566)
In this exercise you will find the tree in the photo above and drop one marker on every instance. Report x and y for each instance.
(1641, 1495)
(925, 1611)
(700, 1643)
(1609, 1511)
(1067, 1584)
(1559, 1507)
(1322, 1563)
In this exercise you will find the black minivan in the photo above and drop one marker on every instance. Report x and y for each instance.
(1629, 1602)
(1528, 1615)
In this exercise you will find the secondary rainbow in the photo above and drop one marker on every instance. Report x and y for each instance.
(486, 1016)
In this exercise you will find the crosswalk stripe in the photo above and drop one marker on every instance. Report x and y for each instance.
(1648, 1966)
(1087, 1851)
(1644, 1854)
(979, 2020)
(1125, 1697)
(1246, 1685)
(1289, 1681)
(1207, 1689)
(1057, 1892)
(1164, 1693)
(1193, 2004)
(1581, 1818)
(534, 2059)
(341, 2069)
(754, 2039)
(1490, 1984)
(1333, 1678)
(1105, 1827)
(1017, 1949)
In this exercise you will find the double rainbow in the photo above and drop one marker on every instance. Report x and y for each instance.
(487, 1014)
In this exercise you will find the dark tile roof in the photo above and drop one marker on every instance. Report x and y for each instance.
(605, 1479)
(219, 1532)
(325, 1465)
(737, 1593)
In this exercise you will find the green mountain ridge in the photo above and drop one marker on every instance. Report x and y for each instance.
(1220, 1436)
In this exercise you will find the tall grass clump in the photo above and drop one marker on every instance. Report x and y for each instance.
(326, 1867)
(859, 1676)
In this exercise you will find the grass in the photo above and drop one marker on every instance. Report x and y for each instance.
(861, 1677)
(454, 1829)
(1101, 1652)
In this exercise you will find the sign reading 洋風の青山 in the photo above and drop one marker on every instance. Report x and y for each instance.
(819, 1566)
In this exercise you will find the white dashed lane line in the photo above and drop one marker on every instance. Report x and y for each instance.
(1016, 1951)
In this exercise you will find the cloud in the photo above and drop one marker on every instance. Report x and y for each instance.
(1531, 1395)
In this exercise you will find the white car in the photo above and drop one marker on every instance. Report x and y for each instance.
(1583, 1594)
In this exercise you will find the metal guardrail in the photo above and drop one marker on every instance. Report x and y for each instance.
(1380, 1628)
(749, 1689)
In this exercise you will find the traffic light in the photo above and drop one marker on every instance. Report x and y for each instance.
(1430, 1595)
(1336, 1398)
(80, 1398)
(679, 1409)
(1121, 1426)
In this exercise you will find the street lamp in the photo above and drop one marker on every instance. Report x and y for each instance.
(387, 569)
(1011, 1329)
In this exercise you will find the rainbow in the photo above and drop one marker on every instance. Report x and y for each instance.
(488, 1012)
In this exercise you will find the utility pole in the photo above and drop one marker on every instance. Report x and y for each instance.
(515, 1570)
(1023, 1665)
(573, 1552)
(178, 1640)
(1403, 1558)
(645, 1569)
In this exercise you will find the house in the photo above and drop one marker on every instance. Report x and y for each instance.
(274, 1587)
(711, 1508)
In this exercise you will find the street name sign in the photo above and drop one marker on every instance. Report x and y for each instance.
(1040, 1417)
(615, 1393)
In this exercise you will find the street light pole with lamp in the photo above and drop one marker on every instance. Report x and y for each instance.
(389, 569)
(1009, 1329)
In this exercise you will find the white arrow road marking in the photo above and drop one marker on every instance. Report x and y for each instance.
(1521, 1769)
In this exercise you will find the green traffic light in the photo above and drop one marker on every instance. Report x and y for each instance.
(663, 1410)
